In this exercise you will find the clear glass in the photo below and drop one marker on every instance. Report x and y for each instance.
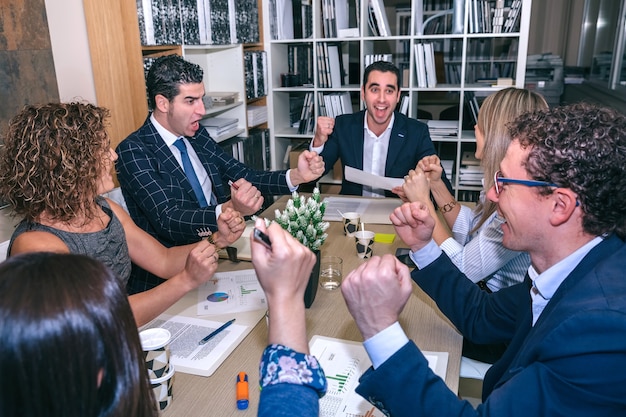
(331, 272)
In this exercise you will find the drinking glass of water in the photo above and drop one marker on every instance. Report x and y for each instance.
(330, 272)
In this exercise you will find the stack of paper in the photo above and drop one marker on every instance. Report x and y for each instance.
(257, 115)
(470, 173)
(443, 129)
(218, 126)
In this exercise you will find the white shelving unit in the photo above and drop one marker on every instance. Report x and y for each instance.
(223, 71)
(471, 54)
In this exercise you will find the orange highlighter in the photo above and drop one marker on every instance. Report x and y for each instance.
(242, 391)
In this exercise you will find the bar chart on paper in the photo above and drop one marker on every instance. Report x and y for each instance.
(231, 292)
(344, 362)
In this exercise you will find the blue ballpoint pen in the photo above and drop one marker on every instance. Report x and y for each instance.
(216, 331)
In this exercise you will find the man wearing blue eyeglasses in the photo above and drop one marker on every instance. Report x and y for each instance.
(561, 189)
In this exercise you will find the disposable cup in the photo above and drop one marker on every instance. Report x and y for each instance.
(162, 389)
(155, 344)
(364, 240)
(351, 222)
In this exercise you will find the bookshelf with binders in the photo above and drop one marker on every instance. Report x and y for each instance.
(225, 39)
(451, 54)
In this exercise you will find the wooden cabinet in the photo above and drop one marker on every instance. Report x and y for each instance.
(116, 64)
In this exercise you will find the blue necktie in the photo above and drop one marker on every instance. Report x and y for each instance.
(191, 174)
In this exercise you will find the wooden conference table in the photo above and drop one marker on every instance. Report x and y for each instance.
(328, 316)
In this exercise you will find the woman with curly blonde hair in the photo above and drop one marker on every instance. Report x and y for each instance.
(55, 165)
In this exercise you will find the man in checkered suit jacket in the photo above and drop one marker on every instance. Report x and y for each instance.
(158, 193)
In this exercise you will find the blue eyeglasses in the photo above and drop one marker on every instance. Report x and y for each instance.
(498, 180)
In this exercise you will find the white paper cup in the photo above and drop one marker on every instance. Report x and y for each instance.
(162, 389)
(155, 345)
(351, 222)
(364, 240)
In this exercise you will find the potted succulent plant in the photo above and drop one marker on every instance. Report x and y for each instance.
(302, 218)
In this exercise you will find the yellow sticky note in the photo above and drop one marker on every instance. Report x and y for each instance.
(384, 237)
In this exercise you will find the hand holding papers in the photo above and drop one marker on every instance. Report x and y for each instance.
(375, 181)
(371, 210)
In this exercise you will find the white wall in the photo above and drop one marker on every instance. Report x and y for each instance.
(70, 50)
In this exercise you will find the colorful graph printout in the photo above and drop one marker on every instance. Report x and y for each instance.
(217, 297)
(344, 362)
(231, 292)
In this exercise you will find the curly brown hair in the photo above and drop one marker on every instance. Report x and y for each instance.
(581, 147)
(52, 160)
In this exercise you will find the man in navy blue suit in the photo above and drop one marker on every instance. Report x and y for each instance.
(377, 140)
(174, 176)
(562, 192)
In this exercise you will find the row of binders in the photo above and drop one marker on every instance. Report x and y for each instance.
(306, 123)
(371, 58)
(330, 65)
(255, 69)
(254, 151)
(339, 19)
(377, 18)
(334, 104)
(502, 18)
(198, 22)
(290, 19)
(425, 65)
(300, 61)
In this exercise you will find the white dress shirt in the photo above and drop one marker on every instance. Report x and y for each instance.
(205, 182)
(374, 154)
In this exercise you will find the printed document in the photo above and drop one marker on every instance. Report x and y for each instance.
(344, 361)
(186, 354)
(372, 210)
(365, 178)
(231, 292)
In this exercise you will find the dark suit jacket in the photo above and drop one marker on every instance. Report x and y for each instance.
(159, 196)
(408, 144)
(571, 363)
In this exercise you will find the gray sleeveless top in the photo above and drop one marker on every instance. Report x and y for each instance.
(108, 245)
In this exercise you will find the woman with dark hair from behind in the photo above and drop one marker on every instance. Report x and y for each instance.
(70, 346)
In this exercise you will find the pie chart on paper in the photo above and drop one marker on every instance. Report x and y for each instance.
(217, 297)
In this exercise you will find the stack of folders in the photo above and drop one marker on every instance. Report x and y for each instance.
(257, 115)
(220, 98)
(218, 126)
(470, 173)
(443, 129)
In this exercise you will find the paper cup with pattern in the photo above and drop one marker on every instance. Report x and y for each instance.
(162, 389)
(156, 351)
(364, 243)
(351, 222)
